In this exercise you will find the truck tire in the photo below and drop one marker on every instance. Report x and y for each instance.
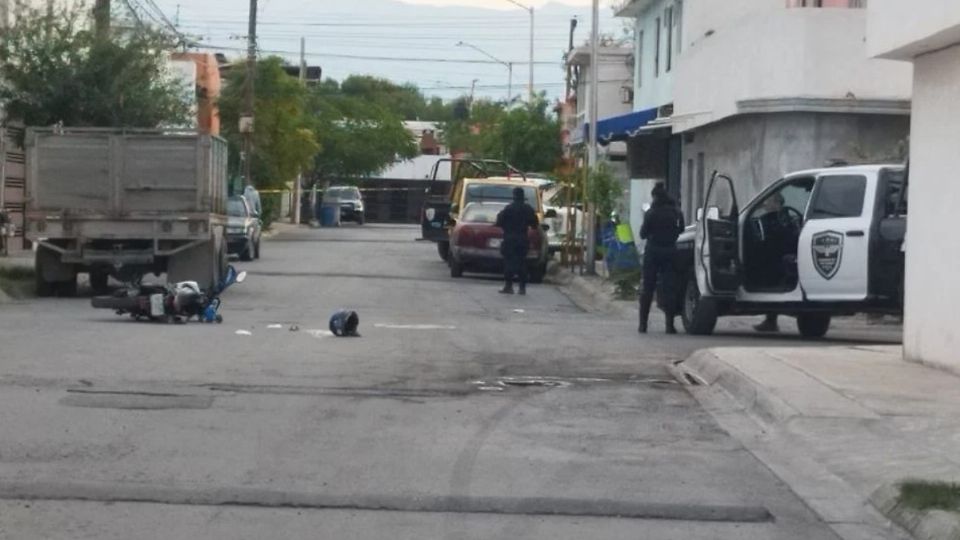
(43, 288)
(99, 282)
(813, 325)
(53, 277)
(443, 249)
(699, 314)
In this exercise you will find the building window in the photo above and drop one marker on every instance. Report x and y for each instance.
(668, 22)
(639, 68)
(656, 51)
(678, 23)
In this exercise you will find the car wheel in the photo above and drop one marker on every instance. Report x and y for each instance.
(256, 249)
(443, 249)
(537, 273)
(699, 314)
(813, 325)
(360, 219)
(247, 253)
(456, 268)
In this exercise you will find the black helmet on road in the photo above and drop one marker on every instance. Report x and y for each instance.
(344, 323)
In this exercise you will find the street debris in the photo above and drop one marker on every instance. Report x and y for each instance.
(274, 326)
(244, 333)
(519, 311)
(294, 328)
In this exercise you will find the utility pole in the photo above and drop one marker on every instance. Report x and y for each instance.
(298, 186)
(532, 93)
(530, 11)
(573, 28)
(247, 118)
(101, 18)
(591, 225)
(473, 87)
(509, 82)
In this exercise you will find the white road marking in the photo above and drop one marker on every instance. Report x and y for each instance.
(415, 326)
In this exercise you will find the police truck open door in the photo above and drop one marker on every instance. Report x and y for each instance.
(717, 244)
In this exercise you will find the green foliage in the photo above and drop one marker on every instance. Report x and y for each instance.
(627, 284)
(284, 141)
(930, 495)
(526, 136)
(604, 191)
(55, 69)
(359, 137)
(270, 204)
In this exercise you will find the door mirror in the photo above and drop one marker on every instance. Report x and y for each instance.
(550, 214)
(699, 214)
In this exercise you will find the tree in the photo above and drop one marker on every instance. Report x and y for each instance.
(360, 137)
(283, 139)
(56, 69)
(526, 136)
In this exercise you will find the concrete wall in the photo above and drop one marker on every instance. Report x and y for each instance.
(756, 150)
(808, 53)
(931, 333)
(902, 30)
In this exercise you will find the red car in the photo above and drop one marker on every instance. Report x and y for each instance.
(475, 243)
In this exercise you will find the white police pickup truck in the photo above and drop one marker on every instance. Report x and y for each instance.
(814, 245)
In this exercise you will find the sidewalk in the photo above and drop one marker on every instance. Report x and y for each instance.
(842, 426)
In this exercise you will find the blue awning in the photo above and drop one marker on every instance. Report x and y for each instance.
(619, 128)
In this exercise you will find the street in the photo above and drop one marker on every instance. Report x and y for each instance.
(459, 413)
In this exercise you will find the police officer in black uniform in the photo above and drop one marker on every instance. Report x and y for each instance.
(515, 220)
(662, 224)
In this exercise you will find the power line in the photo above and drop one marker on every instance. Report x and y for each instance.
(377, 58)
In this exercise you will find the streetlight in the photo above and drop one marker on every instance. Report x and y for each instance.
(530, 10)
(497, 60)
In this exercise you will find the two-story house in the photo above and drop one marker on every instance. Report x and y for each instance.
(758, 88)
(614, 98)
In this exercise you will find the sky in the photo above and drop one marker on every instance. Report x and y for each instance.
(404, 40)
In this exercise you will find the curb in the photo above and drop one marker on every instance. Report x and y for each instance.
(921, 524)
(706, 368)
(589, 295)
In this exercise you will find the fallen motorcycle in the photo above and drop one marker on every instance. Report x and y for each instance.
(177, 302)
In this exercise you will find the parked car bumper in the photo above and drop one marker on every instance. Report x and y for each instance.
(236, 243)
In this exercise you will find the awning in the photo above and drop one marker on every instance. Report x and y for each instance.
(621, 128)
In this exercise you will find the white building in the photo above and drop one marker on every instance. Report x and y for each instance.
(615, 86)
(927, 33)
(758, 88)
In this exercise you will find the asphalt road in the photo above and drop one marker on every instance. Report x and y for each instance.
(458, 414)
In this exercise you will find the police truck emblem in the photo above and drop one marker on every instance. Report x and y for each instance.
(827, 248)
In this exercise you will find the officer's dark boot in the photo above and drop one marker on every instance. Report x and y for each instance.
(646, 300)
(671, 329)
